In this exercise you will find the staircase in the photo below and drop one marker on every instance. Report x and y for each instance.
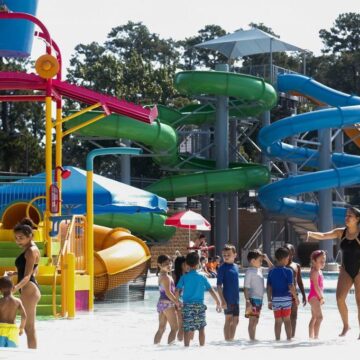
(9, 251)
(301, 227)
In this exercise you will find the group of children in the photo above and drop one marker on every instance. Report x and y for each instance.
(181, 300)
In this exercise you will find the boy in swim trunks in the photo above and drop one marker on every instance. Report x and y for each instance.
(228, 289)
(298, 283)
(281, 291)
(254, 288)
(193, 286)
(9, 306)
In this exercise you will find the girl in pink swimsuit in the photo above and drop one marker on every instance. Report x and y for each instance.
(315, 298)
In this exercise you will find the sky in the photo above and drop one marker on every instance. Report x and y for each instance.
(71, 22)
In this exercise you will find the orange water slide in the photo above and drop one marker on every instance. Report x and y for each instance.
(119, 258)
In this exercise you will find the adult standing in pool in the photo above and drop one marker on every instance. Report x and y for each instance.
(350, 268)
(27, 264)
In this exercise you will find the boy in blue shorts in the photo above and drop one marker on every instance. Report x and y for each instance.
(228, 288)
(281, 292)
(254, 288)
(193, 286)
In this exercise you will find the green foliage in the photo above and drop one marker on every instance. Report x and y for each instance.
(344, 36)
(21, 129)
(193, 57)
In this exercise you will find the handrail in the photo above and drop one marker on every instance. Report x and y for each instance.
(273, 242)
(253, 238)
(67, 248)
(57, 266)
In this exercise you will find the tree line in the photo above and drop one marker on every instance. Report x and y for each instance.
(140, 66)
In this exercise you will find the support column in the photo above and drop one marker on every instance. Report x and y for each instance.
(125, 161)
(325, 196)
(222, 162)
(340, 192)
(233, 197)
(266, 224)
(205, 199)
(293, 141)
(339, 148)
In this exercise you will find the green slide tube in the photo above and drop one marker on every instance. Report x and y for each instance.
(209, 182)
(149, 226)
(255, 96)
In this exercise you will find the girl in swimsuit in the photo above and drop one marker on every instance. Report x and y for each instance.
(26, 264)
(350, 268)
(167, 300)
(180, 268)
(315, 298)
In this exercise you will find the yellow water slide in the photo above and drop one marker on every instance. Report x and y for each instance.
(119, 258)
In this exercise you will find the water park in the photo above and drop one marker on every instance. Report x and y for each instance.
(99, 239)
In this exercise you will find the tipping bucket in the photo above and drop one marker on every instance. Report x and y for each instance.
(16, 36)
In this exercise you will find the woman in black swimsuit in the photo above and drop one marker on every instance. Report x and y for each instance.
(350, 269)
(27, 264)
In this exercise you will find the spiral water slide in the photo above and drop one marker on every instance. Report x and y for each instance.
(250, 97)
(344, 113)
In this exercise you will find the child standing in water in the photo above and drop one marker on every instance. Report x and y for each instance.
(228, 289)
(298, 283)
(167, 300)
(193, 286)
(281, 291)
(9, 307)
(254, 288)
(315, 298)
(180, 268)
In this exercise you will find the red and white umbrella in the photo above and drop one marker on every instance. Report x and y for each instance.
(188, 220)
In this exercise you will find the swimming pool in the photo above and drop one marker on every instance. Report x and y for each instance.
(127, 330)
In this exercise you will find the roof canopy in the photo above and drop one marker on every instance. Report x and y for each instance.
(110, 196)
(248, 42)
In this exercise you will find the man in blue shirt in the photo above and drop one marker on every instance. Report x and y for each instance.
(228, 288)
(193, 286)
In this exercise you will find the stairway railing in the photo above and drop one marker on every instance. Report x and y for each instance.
(72, 260)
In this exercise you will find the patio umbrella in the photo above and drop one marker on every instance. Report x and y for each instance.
(248, 42)
(110, 196)
(188, 220)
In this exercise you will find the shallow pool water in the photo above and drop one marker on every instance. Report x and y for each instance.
(126, 331)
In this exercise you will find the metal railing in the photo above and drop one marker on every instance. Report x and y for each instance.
(263, 71)
(72, 259)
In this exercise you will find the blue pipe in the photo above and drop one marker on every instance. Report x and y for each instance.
(347, 171)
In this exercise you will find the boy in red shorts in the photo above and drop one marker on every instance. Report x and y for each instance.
(281, 291)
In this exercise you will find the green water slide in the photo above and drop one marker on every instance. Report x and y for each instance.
(249, 96)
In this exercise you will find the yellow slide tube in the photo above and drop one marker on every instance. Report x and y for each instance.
(117, 252)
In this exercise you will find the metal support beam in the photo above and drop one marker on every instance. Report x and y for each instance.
(325, 196)
(266, 225)
(233, 197)
(125, 161)
(222, 162)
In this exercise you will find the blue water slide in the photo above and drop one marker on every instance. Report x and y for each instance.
(346, 170)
